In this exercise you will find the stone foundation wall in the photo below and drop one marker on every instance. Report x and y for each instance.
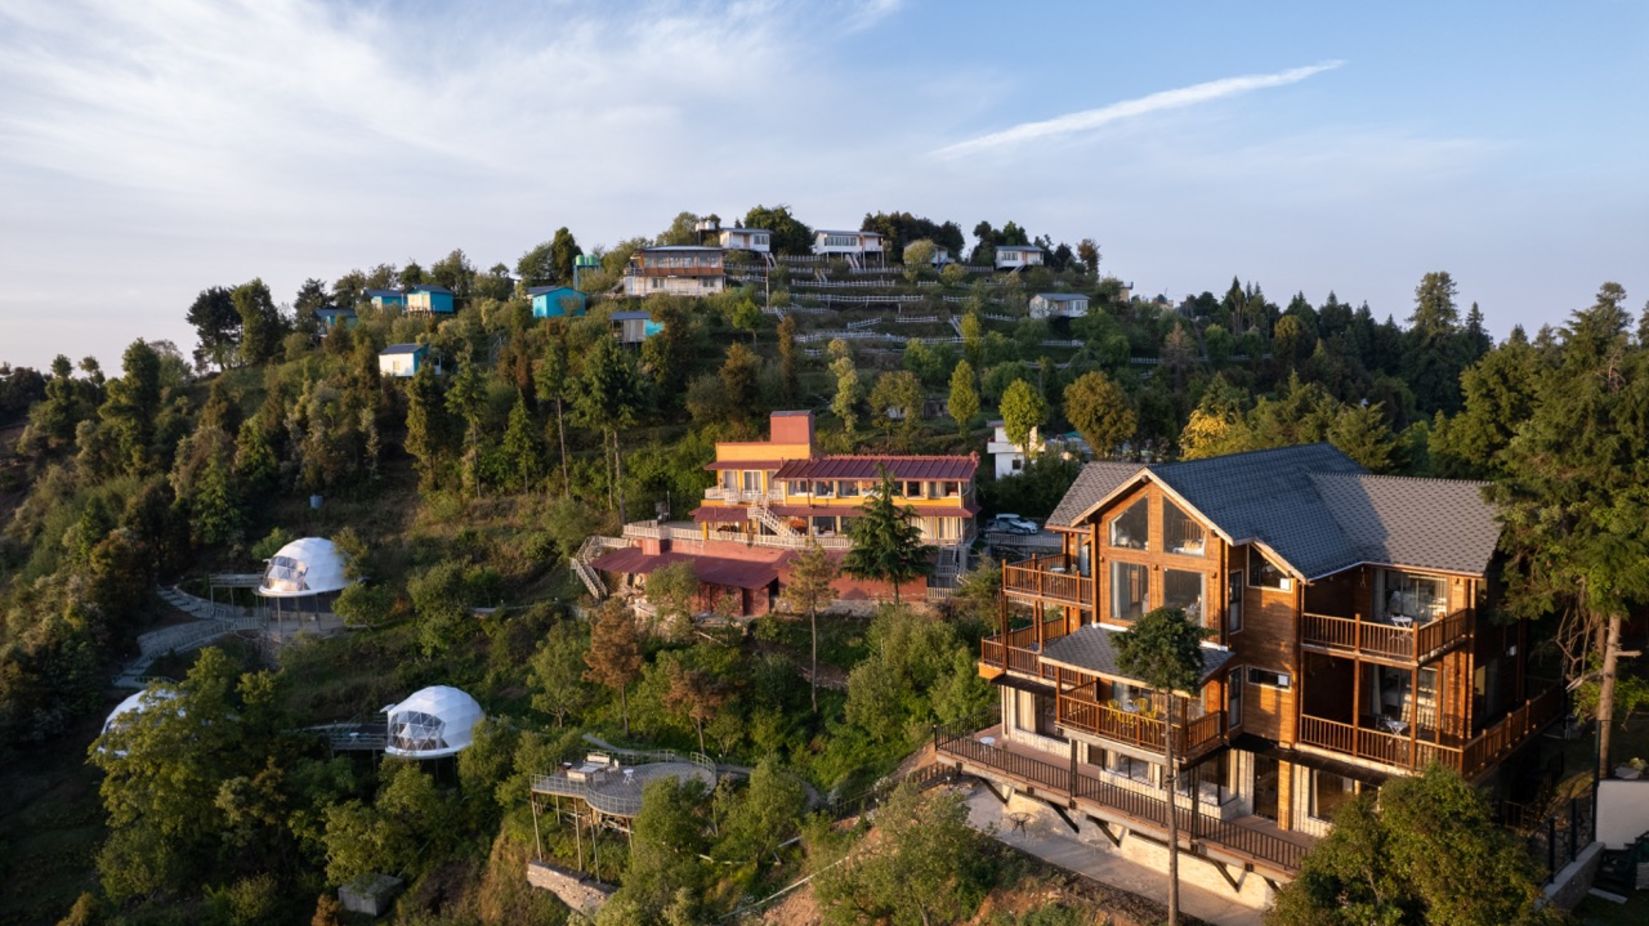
(575, 890)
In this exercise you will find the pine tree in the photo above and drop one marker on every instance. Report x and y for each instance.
(521, 448)
(809, 588)
(261, 327)
(425, 427)
(887, 543)
(554, 381)
(609, 397)
(790, 385)
(466, 398)
(963, 403)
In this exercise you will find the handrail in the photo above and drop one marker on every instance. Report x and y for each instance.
(1052, 577)
(1408, 644)
(1413, 752)
(1194, 827)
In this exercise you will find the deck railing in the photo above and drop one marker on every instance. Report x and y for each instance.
(1376, 638)
(1019, 653)
(1138, 729)
(1413, 751)
(1050, 577)
(1065, 779)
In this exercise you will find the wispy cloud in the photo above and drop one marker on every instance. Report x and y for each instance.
(1090, 119)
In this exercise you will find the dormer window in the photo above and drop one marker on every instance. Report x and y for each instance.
(1180, 532)
(1130, 529)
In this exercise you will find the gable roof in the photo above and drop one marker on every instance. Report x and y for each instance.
(869, 467)
(431, 288)
(1017, 247)
(1313, 507)
(1093, 483)
(402, 349)
(545, 290)
(384, 293)
(1438, 523)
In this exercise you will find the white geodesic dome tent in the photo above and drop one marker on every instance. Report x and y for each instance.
(307, 566)
(434, 722)
(135, 703)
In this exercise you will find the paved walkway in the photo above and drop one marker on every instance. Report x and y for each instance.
(213, 621)
(1045, 837)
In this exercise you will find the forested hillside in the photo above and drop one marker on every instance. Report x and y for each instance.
(470, 484)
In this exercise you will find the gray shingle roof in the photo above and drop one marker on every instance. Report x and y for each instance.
(1094, 482)
(1061, 297)
(1092, 649)
(1317, 509)
(1435, 523)
(401, 349)
(1268, 495)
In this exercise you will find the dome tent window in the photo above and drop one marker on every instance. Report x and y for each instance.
(432, 723)
(286, 575)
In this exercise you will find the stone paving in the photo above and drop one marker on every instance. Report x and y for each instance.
(1045, 837)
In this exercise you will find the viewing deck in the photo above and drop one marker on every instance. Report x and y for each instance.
(1048, 578)
(1406, 643)
(1413, 750)
(1140, 729)
(616, 790)
(1077, 786)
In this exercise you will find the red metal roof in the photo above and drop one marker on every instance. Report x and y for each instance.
(744, 464)
(815, 511)
(713, 570)
(715, 513)
(869, 467)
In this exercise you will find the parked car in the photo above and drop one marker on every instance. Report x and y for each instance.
(1013, 524)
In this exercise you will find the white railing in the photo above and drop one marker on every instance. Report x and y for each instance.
(724, 494)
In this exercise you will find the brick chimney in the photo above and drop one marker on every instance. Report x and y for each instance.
(791, 428)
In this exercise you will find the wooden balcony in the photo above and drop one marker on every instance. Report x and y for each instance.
(674, 270)
(1412, 750)
(1021, 653)
(1139, 729)
(1245, 840)
(1390, 642)
(1049, 578)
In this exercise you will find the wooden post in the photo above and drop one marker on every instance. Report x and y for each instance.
(1414, 715)
(1072, 789)
(538, 843)
(1356, 700)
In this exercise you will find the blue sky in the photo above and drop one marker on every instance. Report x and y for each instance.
(150, 150)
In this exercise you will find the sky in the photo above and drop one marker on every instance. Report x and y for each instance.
(148, 151)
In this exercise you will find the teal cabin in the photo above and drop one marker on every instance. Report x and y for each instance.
(402, 360)
(556, 301)
(634, 326)
(430, 298)
(331, 317)
(387, 298)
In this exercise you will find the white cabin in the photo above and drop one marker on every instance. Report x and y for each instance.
(1015, 256)
(1059, 305)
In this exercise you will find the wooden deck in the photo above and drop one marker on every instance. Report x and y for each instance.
(1385, 642)
(1078, 786)
(1414, 751)
(1049, 578)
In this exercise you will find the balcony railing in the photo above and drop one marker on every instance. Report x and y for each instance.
(1390, 641)
(1053, 578)
(1411, 751)
(682, 538)
(1019, 652)
(1067, 781)
(724, 494)
(1139, 729)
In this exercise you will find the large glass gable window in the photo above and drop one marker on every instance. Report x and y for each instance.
(1129, 586)
(1131, 528)
(1263, 573)
(1421, 598)
(1180, 532)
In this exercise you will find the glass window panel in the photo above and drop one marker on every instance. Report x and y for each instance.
(1131, 528)
(1264, 573)
(1183, 589)
(1419, 597)
(1181, 534)
(1129, 584)
(1330, 792)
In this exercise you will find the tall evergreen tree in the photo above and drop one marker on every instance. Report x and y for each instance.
(790, 379)
(963, 401)
(887, 543)
(261, 325)
(217, 325)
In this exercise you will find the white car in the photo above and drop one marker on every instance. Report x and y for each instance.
(1013, 524)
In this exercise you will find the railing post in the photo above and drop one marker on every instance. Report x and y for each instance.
(1072, 789)
(1551, 846)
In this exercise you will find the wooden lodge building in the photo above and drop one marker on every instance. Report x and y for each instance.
(1348, 642)
(770, 500)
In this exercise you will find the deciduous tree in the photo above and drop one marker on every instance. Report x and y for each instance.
(1100, 411)
(614, 657)
(963, 403)
(809, 589)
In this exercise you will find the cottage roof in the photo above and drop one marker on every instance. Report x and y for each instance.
(869, 466)
(546, 290)
(401, 349)
(332, 311)
(713, 570)
(694, 248)
(1062, 297)
(630, 315)
(431, 288)
(1092, 649)
(1017, 247)
(1315, 508)
(384, 293)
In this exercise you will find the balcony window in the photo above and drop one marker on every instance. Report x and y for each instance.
(1330, 792)
(913, 490)
(1405, 595)
(1263, 573)
(824, 489)
(729, 479)
(1183, 589)
(953, 489)
(1181, 534)
(847, 489)
(1131, 528)
(1129, 585)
